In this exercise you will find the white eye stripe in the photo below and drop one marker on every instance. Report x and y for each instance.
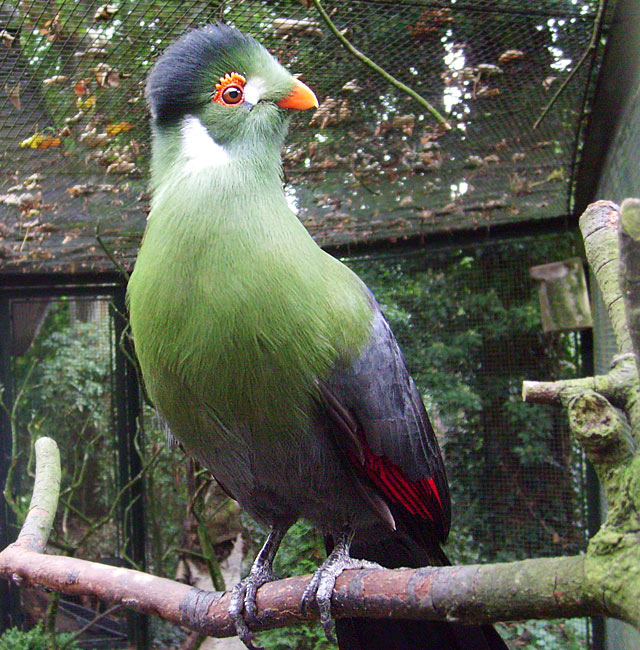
(199, 148)
(254, 90)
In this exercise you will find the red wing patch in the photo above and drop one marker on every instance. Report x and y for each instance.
(420, 498)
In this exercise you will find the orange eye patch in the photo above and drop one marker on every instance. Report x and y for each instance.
(230, 90)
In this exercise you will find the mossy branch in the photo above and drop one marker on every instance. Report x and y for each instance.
(629, 242)
(604, 411)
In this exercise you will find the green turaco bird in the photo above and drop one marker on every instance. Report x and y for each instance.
(269, 359)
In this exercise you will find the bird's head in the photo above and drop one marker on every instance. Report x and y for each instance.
(220, 94)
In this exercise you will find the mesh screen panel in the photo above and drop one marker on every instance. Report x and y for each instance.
(468, 321)
(368, 165)
(62, 386)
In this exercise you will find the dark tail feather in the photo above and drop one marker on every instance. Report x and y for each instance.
(379, 634)
(376, 634)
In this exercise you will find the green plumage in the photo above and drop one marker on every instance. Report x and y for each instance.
(231, 300)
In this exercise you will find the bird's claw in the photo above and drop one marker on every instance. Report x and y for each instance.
(242, 606)
(320, 589)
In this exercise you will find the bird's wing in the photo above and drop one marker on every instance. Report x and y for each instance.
(381, 425)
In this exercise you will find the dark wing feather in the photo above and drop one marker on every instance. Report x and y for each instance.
(383, 428)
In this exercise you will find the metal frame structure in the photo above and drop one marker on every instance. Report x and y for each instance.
(127, 412)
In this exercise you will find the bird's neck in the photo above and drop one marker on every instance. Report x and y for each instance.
(188, 163)
(215, 206)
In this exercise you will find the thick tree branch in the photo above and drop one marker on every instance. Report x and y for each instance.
(44, 501)
(603, 433)
(541, 588)
(629, 240)
(614, 385)
(604, 411)
(599, 227)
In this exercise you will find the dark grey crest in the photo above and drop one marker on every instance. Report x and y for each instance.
(174, 86)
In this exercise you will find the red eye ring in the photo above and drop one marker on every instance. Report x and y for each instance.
(230, 90)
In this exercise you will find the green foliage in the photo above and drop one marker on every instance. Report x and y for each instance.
(469, 327)
(34, 639)
(546, 635)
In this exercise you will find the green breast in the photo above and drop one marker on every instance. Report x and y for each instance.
(245, 311)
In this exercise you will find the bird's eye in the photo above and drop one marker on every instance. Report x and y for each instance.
(230, 90)
(232, 95)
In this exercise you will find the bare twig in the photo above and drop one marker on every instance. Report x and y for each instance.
(109, 254)
(381, 71)
(12, 414)
(590, 49)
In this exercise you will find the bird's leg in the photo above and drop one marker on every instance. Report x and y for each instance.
(320, 589)
(243, 596)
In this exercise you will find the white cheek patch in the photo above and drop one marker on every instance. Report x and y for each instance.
(199, 148)
(254, 90)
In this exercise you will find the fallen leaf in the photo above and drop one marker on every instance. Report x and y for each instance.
(56, 79)
(488, 68)
(105, 12)
(41, 141)
(485, 92)
(473, 162)
(13, 92)
(86, 104)
(120, 127)
(121, 167)
(296, 26)
(7, 38)
(106, 76)
(80, 87)
(94, 139)
(510, 55)
(52, 28)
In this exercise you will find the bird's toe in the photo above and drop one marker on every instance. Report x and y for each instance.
(320, 589)
(243, 607)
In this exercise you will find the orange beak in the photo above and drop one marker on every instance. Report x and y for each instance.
(300, 98)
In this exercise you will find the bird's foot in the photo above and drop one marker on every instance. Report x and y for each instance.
(243, 602)
(319, 591)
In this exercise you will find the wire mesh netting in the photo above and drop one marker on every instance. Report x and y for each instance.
(62, 353)
(469, 324)
(468, 320)
(369, 165)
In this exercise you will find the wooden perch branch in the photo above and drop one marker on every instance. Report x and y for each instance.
(629, 241)
(540, 588)
(599, 227)
(44, 501)
(604, 411)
